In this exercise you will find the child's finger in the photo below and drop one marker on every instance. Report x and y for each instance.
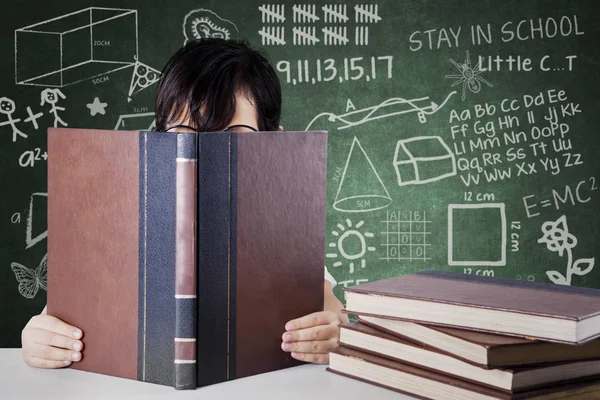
(320, 332)
(314, 319)
(322, 358)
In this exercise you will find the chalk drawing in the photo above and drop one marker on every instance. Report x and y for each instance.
(345, 245)
(51, 96)
(423, 159)
(97, 107)
(469, 76)
(31, 281)
(203, 23)
(8, 107)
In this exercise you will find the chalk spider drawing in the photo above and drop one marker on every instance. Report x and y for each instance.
(469, 76)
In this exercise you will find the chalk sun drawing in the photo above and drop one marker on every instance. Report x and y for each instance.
(339, 248)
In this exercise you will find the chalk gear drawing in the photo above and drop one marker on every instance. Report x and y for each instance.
(203, 23)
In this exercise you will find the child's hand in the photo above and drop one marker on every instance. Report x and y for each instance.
(310, 338)
(48, 342)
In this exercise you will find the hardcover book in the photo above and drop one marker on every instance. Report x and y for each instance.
(425, 384)
(181, 256)
(485, 349)
(361, 337)
(534, 310)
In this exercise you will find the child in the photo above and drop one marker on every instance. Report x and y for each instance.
(208, 85)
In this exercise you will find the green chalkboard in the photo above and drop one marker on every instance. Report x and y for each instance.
(463, 135)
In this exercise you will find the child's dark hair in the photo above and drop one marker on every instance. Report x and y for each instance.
(202, 78)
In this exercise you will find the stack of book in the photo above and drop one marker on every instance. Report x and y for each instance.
(443, 335)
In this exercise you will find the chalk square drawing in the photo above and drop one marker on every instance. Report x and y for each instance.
(75, 47)
(472, 224)
(423, 159)
(136, 122)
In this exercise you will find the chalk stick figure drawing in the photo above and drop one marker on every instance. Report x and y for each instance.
(469, 76)
(30, 281)
(7, 107)
(558, 239)
(51, 96)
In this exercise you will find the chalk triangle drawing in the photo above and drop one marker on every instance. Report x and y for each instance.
(361, 188)
(142, 78)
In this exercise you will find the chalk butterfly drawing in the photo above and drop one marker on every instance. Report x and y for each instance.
(30, 281)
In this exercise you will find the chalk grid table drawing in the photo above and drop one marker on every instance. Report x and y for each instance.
(76, 47)
(406, 236)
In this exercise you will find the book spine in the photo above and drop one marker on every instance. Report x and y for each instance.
(217, 255)
(185, 263)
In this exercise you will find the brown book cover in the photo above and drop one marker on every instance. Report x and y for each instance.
(362, 337)
(120, 248)
(426, 384)
(528, 309)
(485, 349)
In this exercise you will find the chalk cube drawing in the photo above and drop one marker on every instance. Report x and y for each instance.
(477, 234)
(422, 160)
(75, 47)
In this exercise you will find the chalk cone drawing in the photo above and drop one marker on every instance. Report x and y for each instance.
(558, 239)
(386, 109)
(469, 77)
(464, 239)
(97, 107)
(52, 97)
(136, 122)
(31, 280)
(350, 245)
(76, 47)
(423, 159)
(360, 188)
(38, 204)
(203, 23)
(8, 107)
(143, 77)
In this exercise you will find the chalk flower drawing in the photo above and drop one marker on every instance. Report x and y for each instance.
(558, 239)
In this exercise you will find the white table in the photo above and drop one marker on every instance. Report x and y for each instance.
(307, 382)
